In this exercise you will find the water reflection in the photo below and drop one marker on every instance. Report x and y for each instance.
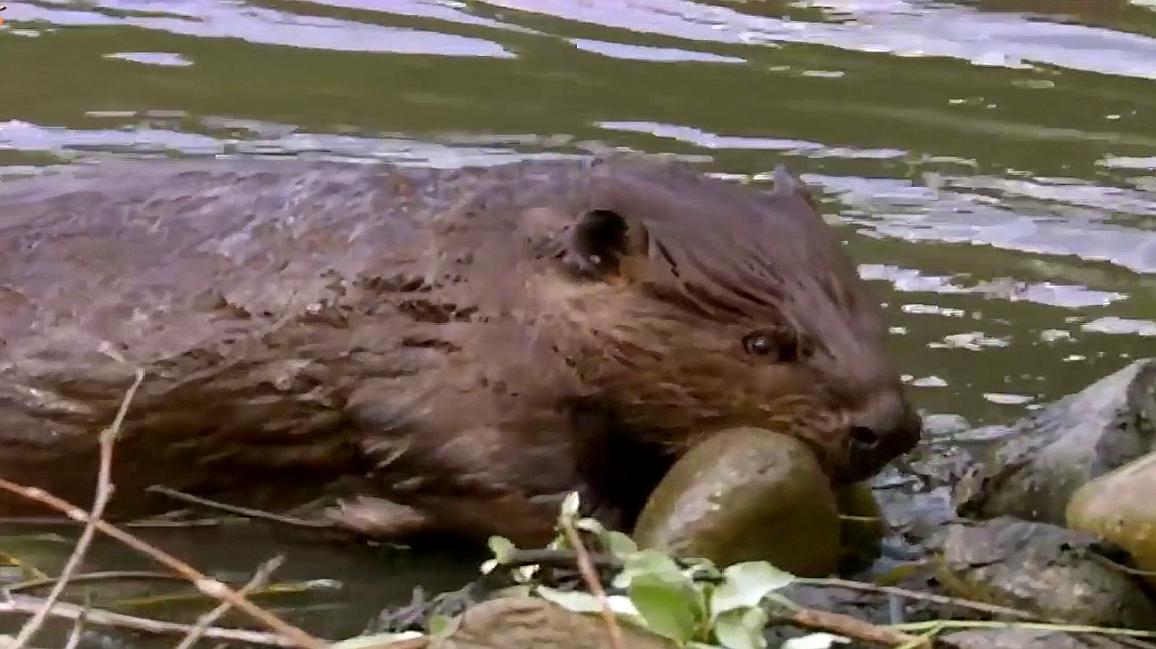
(904, 28)
(254, 24)
(991, 164)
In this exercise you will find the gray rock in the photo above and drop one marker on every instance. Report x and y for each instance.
(1033, 472)
(1027, 639)
(1044, 569)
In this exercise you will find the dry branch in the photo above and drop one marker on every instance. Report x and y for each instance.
(77, 630)
(205, 621)
(99, 617)
(851, 627)
(590, 576)
(104, 489)
(240, 511)
(88, 577)
(205, 584)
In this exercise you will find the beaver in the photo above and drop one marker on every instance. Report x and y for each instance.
(461, 347)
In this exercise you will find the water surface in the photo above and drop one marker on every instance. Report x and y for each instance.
(991, 164)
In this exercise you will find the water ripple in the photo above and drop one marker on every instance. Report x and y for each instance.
(902, 27)
(226, 19)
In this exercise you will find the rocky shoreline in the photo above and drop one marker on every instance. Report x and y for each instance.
(1047, 520)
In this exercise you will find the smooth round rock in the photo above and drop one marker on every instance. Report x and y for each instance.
(1120, 506)
(862, 526)
(746, 494)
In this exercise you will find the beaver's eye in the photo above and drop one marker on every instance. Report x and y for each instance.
(758, 343)
(786, 344)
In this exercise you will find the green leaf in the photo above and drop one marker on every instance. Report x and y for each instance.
(815, 641)
(699, 568)
(576, 601)
(746, 585)
(375, 640)
(648, 562)
(571, 504)
(668, 607)
(741, 628)
(441, 625)
(592, 525)
(619, 544)
(581, 602)
(524, 574)
(502, 548)
(621, 606)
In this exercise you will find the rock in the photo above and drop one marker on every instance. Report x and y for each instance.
(746, 494)
(862, 527)
(1026, 639)
(1032, 473)
(1120, 507)
(1044, 569)
(530, 623)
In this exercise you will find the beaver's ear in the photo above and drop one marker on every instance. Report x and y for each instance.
(604, 242)
(786, 185)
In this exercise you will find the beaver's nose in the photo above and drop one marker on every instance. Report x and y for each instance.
(864, 438)
(880, 435)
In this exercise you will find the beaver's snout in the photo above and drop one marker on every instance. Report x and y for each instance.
(880, 435)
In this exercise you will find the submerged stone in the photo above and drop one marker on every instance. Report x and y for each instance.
(746, 494)
(1033, 472)
(1044, 569)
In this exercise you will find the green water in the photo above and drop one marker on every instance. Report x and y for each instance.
(991, 163)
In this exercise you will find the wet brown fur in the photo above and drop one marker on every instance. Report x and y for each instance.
(470, 344)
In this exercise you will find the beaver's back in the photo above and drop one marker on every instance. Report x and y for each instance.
(256, 295)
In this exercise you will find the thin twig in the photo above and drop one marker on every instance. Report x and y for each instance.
(203, 583)
(980, 607)
(845, 625)
(1114, 565)
(77, 630)
(157, 523)
(590, 576)
(100, 617)
(557, 559)
(208, 619)
(104, 489)
(41, 521)
(110, 575)
(1035, 626)
(240, 511)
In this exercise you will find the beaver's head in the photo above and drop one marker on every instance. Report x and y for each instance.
(695, 304)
